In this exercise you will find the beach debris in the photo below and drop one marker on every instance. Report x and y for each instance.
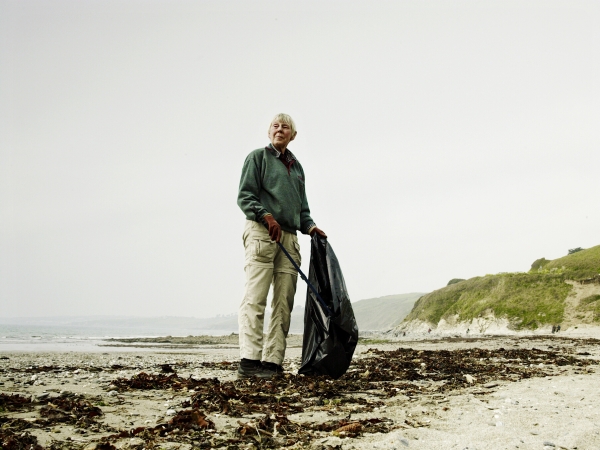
(261, 407)
(470, 379)
(146, 381)
(10, 440)
(350, 430)
(15, 424)
(13, 402)
(44, 369)
(379, 375)
(166, 368)
(220, 365)
(78, 412)
(272, 431)
(183, 422)
(270, 425)
(449, 367)
(347, 428)
(192, 419)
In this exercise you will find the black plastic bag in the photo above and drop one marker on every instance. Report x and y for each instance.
(330, 330)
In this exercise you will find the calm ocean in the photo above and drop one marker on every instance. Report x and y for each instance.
(62, 338)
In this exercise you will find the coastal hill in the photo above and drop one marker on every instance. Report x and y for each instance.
(383, 313)
(564, 291)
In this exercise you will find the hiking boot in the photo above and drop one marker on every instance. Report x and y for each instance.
(253, 368)
(276, 368)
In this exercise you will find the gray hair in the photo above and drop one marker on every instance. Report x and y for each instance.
(284, 118)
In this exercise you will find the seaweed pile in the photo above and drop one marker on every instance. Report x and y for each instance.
(67, 409)
(189, 423)
(371, 380)
(258, 411)
(12, 440)
(269, 431)
(78, 412)
(13, 402)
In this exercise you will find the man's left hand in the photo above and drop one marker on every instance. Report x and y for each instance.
(318, 231)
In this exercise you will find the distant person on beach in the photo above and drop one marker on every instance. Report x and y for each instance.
(273, 198)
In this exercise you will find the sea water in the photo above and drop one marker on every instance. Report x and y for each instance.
(64, 338)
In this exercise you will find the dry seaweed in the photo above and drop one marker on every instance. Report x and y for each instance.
(221, 365)
(9, 440)
(372, 379)
(65, 410)
(186, 425)
(145, 381)
(379, 375)
(14, 424)
(449, 367)
(272, 431)
(13, 402)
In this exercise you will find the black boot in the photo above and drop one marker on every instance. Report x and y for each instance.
(253, 368)
(272, 367)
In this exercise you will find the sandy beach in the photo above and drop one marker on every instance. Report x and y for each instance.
(476, 392)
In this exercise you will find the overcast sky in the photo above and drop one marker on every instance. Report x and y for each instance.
(440, 139)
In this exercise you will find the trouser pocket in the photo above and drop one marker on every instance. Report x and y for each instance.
(263, 250)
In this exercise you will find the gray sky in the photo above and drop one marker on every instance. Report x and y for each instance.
(440, 139)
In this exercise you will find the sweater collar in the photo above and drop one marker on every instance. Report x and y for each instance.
(286, 157)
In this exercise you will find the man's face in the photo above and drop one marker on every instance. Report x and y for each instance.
(280, 135)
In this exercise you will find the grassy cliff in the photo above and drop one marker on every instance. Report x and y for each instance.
(578, 266)
(527, 300)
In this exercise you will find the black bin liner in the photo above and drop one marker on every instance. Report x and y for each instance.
(330, 331)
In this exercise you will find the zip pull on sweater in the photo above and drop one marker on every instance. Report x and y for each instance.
(286, 158)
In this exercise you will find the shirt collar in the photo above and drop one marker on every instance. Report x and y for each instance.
(287, 156)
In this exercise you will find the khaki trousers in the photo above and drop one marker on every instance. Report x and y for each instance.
(265, 264)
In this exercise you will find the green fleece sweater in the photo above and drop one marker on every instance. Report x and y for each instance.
(267, 187)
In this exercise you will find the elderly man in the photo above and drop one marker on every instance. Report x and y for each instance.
(272, 195)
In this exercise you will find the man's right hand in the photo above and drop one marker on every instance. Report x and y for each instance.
(274, 228)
